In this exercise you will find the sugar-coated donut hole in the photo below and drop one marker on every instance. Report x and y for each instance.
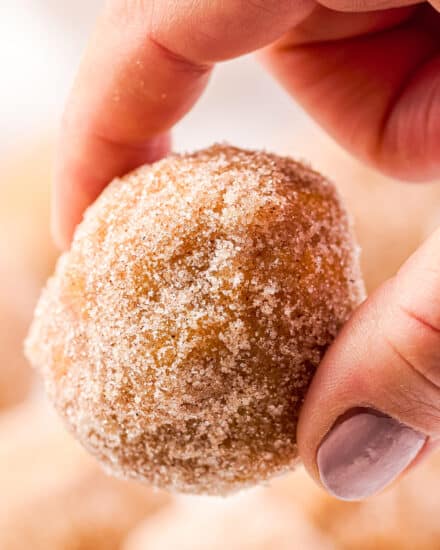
(179, 334)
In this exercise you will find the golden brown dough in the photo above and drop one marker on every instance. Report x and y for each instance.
(391, 218)
(54, 497)
(180, 332)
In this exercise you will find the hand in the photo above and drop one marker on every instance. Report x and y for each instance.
(372, 79)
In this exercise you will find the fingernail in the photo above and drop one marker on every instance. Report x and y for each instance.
(365, 452)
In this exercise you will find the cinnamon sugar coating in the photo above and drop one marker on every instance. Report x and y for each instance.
(179, 334)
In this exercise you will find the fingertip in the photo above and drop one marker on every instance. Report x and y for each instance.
(71, 195)
(364, 453)
(60, 235)
(56, 233)
(79, 180)
(391, 391)
(62, 218)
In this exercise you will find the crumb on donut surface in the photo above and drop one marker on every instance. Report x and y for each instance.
(179, 334)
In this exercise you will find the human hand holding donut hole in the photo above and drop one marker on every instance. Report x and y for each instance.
(370, 74)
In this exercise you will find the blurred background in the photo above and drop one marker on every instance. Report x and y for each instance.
(54, 497)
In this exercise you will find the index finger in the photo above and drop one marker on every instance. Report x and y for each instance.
(146, 65)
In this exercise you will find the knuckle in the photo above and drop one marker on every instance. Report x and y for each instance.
(347, 5)
(416, 391)
(416, 341)
(419, 318)
(267, 8)
(423, 407)
(157, 31)
(178, 60)
(121, 12)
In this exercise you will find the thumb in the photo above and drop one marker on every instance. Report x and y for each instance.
(374, 404)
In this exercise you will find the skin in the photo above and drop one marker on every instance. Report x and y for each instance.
(367, 70)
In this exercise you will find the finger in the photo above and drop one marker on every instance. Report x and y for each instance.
(326, 25)
(377, 93)
(374, 404)
(146, 65)
(359, 6)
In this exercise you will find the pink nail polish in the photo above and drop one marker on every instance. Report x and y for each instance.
(364, 453)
